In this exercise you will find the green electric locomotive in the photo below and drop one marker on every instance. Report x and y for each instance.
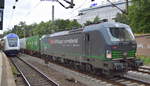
(107, 47)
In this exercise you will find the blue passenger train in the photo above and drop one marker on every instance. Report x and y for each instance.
(11, 44)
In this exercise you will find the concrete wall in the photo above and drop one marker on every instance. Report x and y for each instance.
(6, 78)
(143, 45)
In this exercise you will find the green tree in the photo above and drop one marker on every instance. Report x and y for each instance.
(42, 28)
(122, 18)
(96, 20)
(73, 24)
(139, 16)
(88, 23)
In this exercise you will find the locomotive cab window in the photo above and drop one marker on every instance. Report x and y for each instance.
(120, 34)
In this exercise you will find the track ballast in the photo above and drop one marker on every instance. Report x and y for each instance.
(32, 75)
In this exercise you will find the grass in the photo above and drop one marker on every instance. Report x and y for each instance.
(14, 70)
(146, 59)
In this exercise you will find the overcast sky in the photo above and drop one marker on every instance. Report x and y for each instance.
(35, 11)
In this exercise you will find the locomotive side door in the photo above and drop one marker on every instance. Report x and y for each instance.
(87, 44)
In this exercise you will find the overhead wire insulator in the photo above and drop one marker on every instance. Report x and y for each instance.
(14, 7)
(116, 7)
(69, 2)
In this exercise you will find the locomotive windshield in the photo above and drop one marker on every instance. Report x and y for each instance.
(12, 42)
(121, 34)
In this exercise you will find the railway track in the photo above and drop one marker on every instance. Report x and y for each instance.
(138, 76)
(128, 79)
(122, 81)
(144, 69)
(131, 78)
(31, 75)
(141, 76)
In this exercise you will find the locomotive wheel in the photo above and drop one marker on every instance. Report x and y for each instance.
(75, 67)
(88, 68)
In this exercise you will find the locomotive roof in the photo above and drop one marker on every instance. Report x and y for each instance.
(88, 28)
(102, 25)
(59, 33)
(11, 35)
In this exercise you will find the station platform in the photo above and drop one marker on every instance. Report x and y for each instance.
(6, 76)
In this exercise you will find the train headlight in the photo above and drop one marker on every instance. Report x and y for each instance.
(108, 54)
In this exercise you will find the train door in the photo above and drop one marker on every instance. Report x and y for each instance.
(87, 45)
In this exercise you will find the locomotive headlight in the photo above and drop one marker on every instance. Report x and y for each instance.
(108, 54)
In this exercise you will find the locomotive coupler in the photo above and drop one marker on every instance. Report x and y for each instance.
(134, 63)
(119, 66)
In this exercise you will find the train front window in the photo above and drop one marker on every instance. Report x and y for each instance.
(12, 42)
(121, 34)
